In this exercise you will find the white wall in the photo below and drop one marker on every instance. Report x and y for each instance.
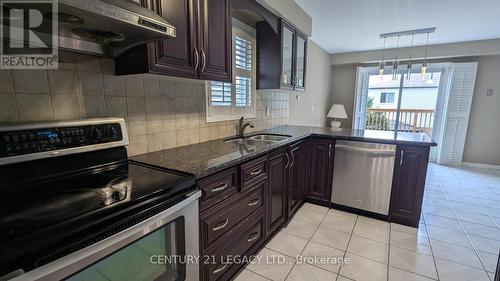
(311, 107)
(453, 50)
(343, 81)
(483, 135)
(291, 11)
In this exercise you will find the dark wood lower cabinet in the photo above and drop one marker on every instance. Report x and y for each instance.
(408, 184)
(276, 201)
(244, 206)
(243, 240)
(321, 167)
(298, 175)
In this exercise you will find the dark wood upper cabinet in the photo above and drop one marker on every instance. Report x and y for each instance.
(287, 55)
(300, 62)
(408, 184)
(298, 175)
(281, 57)
(201, 49)
(215, 40)
(321, 171)
(276, 197)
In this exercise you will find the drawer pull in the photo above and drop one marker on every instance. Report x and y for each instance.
(220, 187)
(221, 226)
(254, 236)
(257, 172)
(253, 202)
(218, 270)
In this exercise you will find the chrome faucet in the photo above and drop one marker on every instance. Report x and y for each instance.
(243, 126)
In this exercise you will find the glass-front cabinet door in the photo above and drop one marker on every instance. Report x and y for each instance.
(300, 64)
(287, 56)
(159, 256)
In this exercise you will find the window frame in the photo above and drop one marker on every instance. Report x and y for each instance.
(234, 112)
(393, 94)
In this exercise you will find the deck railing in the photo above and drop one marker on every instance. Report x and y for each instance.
(411, 120)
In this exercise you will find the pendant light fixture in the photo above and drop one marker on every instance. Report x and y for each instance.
(395, 64)
(382, 63)
(424, 64)
(408, 73)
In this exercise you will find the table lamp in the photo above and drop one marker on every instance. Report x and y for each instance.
(337, 112)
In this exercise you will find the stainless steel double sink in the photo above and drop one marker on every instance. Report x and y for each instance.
(260, 138)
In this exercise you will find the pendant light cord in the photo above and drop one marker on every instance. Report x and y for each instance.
(426, 47)
(383, 52)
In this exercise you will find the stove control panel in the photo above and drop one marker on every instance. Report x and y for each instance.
(30, 141)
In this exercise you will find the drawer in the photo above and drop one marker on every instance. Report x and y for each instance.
(243, 242)
(253, 171)
(215, 223)
(218, 187)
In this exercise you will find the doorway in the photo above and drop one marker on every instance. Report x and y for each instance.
(437, 104)
(403, 102)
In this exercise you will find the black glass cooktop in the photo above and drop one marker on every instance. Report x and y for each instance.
(41, 204)
(49, 207)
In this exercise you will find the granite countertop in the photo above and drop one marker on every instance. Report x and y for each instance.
(210, 157)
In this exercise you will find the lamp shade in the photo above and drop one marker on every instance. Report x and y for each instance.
(337, 111)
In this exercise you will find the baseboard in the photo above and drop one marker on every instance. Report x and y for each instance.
(480, 165)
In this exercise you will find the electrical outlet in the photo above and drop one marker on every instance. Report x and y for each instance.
(490, 92)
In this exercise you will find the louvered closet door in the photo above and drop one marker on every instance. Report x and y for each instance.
(456, 120)
(360, 99)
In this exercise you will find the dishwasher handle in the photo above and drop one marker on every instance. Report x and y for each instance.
(375, 152)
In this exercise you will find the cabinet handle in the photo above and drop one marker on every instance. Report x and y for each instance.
(287, 159)
(221, 225)
(330, 151)
(293, 159)
(254, 236)
(196, 59)
(219, 269)
(401, 159)
(204, 60)
(253, 202)
(219, 188)
(257, 172)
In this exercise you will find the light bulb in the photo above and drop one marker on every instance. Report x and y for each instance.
(395, 67)
(424, 71)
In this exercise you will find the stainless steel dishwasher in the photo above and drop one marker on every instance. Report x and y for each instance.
(362, 176)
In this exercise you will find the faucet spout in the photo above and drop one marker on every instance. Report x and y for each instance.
(243, 126)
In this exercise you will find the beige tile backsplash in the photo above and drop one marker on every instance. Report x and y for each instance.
(161, 112)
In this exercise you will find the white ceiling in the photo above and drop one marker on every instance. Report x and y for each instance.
(341, 26)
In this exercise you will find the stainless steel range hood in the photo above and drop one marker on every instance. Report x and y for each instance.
(106, 27)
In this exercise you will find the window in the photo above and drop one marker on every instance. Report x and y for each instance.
(387, 97)
(230, 101)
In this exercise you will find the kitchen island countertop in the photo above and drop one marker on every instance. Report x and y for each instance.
(206, 158)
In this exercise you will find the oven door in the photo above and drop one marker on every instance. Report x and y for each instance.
(159, 248)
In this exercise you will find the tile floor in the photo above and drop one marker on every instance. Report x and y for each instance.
(458, 238)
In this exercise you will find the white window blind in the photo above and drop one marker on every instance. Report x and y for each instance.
(243, 53)
(220, 93)
(243, 87)
(230, 101)
(360, 99)
(456, 119)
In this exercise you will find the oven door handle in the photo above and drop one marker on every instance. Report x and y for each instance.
(76, 261)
